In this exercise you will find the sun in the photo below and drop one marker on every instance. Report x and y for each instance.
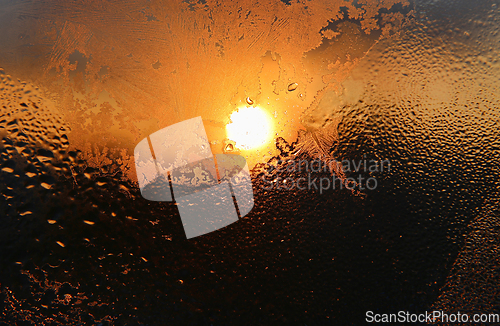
(250, 127)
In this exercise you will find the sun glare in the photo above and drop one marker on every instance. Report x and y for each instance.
(249, 127)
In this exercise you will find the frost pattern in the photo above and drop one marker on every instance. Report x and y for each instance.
(121, 72)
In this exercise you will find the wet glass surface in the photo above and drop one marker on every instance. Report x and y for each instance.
(350, 86)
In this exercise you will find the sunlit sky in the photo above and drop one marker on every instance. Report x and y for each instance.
(116, 82)
(250, 128)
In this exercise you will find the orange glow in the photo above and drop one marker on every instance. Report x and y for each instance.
(250, 128)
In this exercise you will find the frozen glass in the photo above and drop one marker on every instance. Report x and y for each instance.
(373, 185)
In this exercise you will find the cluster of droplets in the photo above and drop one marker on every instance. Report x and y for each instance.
(34, 142)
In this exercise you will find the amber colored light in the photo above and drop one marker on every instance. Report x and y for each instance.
(250, 128)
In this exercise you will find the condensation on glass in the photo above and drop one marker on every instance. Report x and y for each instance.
(82, 83)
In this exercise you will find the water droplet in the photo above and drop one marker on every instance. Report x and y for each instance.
(157, 65)
(229, 148)
(46, 185)
(249, 101)
(292, 87)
